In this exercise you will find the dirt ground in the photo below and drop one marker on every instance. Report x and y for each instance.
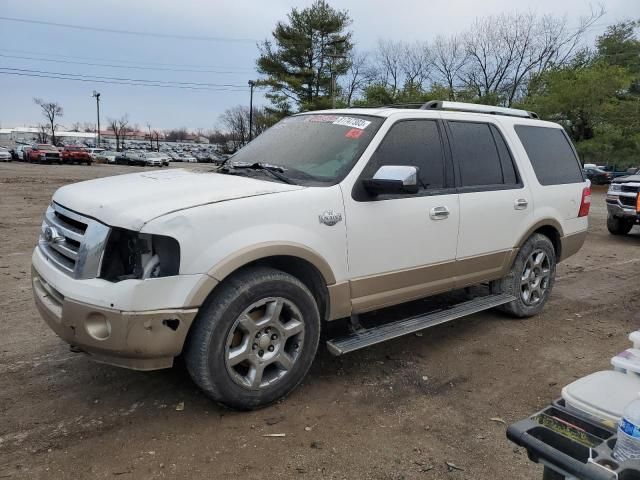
(400, 410)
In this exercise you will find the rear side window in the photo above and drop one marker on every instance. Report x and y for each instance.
(551, 154)
(476, 150)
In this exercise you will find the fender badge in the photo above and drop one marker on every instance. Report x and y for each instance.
(330, 218)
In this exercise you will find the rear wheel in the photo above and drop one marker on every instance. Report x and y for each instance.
(254, 339)
(619, 226)
(531, 278)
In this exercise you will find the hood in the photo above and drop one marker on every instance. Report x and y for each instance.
(628, 178)
(130, 201)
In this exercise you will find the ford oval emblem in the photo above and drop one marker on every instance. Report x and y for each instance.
(52, 236)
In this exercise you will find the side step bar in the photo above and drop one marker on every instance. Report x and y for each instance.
(388, 331)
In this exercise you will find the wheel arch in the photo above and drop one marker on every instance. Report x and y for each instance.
(302, 262)
(551, 229)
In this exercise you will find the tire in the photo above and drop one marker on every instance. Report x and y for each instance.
(537, 261)
(619, 226)
(282, 350)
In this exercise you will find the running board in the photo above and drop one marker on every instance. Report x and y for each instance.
(388, 331)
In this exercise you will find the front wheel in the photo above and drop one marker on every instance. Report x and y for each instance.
(531, 278)
(619, 226)
(254, 339)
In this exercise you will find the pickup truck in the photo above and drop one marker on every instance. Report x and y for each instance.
(623, 205)
(73, 154)
(43, 153)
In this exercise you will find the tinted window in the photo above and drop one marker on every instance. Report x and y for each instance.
(413, 143)
(509, 175)
(476, 153)
(551, 154)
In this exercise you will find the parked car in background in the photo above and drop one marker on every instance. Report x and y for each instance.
(94, 152)
(186, 157)
(19, 153)
(44, 153)
(152, 159)
(106, 156)
(5, 155)
(73, 154)
(165, 158)
(598, 176)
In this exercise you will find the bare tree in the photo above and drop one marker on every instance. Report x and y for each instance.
(155, 135)
(42, 133)
(415, 63)
(388, 64)
(76, 127)
(119, 128)
(358, 76)
(504, 51)
(448, 58)
(51, 111)
(236, 121)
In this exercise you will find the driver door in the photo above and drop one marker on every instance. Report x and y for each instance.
(403, 246)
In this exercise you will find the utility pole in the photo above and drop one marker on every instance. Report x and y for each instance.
(97, 97)
(251, 85)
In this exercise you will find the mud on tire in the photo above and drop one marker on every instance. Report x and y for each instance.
(531, 278)
(254, 339)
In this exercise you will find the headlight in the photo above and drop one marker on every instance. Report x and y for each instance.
(614, 188)
(134, 255)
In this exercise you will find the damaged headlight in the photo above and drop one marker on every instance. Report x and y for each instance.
(134, 255)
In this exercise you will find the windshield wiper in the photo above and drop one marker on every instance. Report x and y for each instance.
(274, 170)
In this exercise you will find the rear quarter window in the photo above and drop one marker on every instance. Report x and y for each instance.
(552, 156)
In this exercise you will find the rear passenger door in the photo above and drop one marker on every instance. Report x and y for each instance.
(495, 205)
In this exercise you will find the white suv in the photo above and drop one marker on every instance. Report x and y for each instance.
(325, 216)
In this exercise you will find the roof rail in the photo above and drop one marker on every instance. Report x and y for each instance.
(391, 105)
(477, 108)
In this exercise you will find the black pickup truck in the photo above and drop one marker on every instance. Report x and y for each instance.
(623, 204)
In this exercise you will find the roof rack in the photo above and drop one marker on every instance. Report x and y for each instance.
(477, 108)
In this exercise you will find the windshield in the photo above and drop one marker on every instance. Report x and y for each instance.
(312, 147)
(48, 148)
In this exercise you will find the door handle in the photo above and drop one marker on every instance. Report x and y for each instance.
(521, 204)
(439, 213)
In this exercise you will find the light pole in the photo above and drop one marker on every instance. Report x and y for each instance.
(251, 85)
(97, 97)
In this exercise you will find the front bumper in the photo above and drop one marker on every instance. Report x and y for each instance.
(616, 209)
(143, 329)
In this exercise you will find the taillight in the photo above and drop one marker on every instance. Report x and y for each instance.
(585, 203)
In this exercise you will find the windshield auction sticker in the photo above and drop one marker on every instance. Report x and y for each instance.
(352, 122)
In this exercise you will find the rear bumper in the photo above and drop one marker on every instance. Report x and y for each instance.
(571, 244)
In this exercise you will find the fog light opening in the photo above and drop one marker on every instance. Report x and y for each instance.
(173, 324)
(98, 326)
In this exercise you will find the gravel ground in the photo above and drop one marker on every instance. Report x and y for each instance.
(400, 410)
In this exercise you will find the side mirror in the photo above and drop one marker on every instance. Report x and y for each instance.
(393, 179)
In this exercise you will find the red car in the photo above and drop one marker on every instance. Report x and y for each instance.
(73, 154)
(43, 153)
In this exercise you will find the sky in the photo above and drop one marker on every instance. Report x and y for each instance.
(210, 46)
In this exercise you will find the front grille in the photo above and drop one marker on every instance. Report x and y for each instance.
(71, 242)
(628, 201)
(633, 188)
